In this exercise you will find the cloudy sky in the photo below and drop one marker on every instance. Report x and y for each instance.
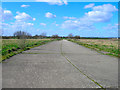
(97, 19)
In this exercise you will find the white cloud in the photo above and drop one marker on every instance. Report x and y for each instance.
(23, 17)
(54, 2)
(54, 23)
(30, 24)
(6, 15)
(16, 26)
(25, 6)
(42, 24)
(78, 25)
(1, 14)
(98, 16)
(4, 24)
(65, 2)
(111, 27)
(89, 5)
(7, 12)
(21, 25)
(101, 13)
(34, 19)
(69, 17)
(50, 15)
(105, 8)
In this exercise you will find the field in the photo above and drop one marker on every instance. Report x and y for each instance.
(104, 46)
(12, 47)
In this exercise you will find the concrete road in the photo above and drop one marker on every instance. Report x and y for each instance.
(60, 64)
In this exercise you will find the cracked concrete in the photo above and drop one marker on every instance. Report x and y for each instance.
(46, 67)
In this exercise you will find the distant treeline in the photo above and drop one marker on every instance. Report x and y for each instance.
(54, 37)
(26, 35)
(41, 37)
(22, 34)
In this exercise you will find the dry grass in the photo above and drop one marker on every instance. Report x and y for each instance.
(105, 46)
(108, 42)
(11, 47)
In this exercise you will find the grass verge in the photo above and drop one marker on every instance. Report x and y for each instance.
(11, 47)
(106, 49)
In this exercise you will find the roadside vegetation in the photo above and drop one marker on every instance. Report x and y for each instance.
(12, 47)
(104, 46)
(21, 41)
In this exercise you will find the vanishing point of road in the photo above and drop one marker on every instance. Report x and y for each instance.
(60, 64)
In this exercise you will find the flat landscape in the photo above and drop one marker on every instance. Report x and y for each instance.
(104, 46)
(59, 44)
(12, 47)
(61, 64)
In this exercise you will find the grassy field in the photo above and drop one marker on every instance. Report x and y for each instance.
(104, 46)
(12, 47)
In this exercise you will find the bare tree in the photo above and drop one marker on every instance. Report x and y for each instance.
(70, 35)
(36, 36)
(43, 35)
(22, 36)
(55, 36)
(77, 37)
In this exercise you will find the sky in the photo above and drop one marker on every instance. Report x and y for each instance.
(87, 19)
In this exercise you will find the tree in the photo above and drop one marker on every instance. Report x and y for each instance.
(21, 34)
(36, 36)
(55, 36)
(77, 37)
(43, 35)
(70, 35)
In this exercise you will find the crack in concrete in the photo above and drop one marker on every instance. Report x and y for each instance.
(63, 54)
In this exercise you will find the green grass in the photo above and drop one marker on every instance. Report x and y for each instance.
(11, 47)
(100, 46)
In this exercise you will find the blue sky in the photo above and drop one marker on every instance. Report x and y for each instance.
(95, 19)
